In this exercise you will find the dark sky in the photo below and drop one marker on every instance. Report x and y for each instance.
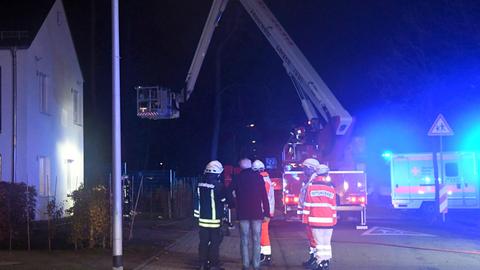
(394, 65)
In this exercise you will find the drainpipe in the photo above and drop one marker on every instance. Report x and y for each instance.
(14, 112)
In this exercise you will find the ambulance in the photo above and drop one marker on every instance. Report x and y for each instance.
(413, 180)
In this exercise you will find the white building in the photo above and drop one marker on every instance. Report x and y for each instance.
(49, 111)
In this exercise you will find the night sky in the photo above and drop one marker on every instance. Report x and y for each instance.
(394, 65)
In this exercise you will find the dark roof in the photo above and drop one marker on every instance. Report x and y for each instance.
(20, 20)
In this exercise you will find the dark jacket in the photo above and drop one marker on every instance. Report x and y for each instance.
(210, 199)
(250, 195)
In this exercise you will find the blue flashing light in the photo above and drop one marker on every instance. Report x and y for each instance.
(387, 155)
(472, 139)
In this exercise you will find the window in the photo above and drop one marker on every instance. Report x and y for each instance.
(1, 166)
(451, 169)
(77, 107)
(44, 187)
(69, 176)
(43, 89)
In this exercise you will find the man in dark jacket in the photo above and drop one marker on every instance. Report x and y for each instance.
(252, 206)
(209, 211)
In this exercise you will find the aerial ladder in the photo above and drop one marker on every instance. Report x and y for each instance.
(331, 121)
(321, 107)
(318, 101)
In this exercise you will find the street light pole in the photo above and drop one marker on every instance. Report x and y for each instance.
(116, 141)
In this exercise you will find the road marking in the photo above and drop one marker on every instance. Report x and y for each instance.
(473, 252)
(384, 231)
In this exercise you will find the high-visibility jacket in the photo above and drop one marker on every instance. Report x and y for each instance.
(301, 196)
(270, 191)
(319, 207)
(210, 202)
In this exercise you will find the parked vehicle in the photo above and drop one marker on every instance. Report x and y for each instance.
(351, 188)
(413, 180)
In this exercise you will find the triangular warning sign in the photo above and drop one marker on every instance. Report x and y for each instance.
(440, 127)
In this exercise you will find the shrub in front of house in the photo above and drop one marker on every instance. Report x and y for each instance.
(17, 208)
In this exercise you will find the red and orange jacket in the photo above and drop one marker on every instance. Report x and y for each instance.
(270, 191)
(319, 207)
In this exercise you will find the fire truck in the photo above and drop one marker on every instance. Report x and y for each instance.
(328, 135)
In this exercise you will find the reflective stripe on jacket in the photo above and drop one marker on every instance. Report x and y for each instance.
(319, 208)
(210, 203)
(301, 197)
(270, 191)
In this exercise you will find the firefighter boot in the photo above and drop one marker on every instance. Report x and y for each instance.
(324, 265)
(310, 263)
(265, 260)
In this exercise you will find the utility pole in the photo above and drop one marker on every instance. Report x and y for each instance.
(14, 113)
(116, 144)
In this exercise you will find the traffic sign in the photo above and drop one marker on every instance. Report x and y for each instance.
(440, 127)
(271, 163)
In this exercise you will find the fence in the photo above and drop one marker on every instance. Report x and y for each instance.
(159, 194)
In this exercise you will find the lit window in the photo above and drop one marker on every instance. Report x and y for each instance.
(44, 176)
(77, 107)
(70, 185)
(43, 89)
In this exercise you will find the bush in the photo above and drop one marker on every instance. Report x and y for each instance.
(90, 216)
(54, 215)
(17, 206)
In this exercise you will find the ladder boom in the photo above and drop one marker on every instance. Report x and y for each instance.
(315, 96)
(297, 65)
(214, 17)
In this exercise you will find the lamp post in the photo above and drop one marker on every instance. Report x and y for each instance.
(117, 250)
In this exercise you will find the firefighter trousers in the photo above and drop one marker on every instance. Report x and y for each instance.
(208, 249)
(311, 240)
(265, 247)
(323, 248)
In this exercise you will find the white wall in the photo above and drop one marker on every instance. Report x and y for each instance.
(6, 107)
(53, 134)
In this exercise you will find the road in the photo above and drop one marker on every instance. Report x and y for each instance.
(394, 240)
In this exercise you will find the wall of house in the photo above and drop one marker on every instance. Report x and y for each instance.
(48, 137)
(52, 54)
(6, 114)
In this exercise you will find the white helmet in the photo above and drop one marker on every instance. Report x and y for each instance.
(245, 163)
(322, 169)
(258, 165)
(214, 166)
(311, 163)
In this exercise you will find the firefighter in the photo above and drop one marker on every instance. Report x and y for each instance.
(265, 246)
(319, 213)
(209, 211)
(309, 165)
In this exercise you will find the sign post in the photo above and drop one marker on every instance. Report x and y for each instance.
(441, 128)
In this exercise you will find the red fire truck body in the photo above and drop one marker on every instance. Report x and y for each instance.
(351, 188)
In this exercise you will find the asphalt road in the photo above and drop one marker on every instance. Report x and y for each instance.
(394, 240)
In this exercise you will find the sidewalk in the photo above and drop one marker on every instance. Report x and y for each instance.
(351, 250)
(183, 253)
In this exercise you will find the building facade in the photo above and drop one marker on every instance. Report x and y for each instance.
(41, 109)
